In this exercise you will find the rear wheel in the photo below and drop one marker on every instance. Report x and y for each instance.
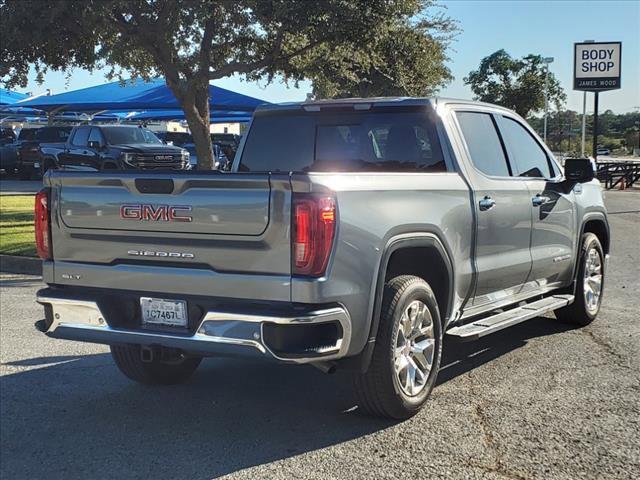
(406, 356)
(589, 284)
(24, 173)
(169, 370)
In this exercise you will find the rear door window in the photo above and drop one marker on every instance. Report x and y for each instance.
(392, 140)
(81, 137)
(527, 157)
(96, 136)
(483, 143)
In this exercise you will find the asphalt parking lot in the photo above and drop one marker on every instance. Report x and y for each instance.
(540, 400)
(20, 187)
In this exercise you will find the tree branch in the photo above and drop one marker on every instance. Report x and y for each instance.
(246, 67)
(205, 47)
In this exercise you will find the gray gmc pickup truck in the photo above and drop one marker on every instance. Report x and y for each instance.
(355, 234)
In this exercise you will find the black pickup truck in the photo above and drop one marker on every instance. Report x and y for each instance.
(109, 147)
(28, 148)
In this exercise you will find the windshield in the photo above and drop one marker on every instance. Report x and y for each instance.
(129, 135)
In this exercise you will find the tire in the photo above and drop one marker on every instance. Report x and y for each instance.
(109, 166)
(582, 312)
(46, 166)
(382, 391)
(129, 361)
(24, 174)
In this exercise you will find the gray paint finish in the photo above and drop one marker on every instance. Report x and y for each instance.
(240, 237)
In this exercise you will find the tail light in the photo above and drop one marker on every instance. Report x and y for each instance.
(42, 225)
(314, 224)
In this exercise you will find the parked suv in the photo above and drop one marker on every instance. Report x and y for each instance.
(352, 234)
(108, 147)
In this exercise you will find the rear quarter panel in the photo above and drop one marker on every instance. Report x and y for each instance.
(373, 208)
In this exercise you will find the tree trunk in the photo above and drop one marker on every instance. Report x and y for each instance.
(194, 100)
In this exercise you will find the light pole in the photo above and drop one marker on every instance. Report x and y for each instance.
(584, 122)
(547, 61)
(584, 114)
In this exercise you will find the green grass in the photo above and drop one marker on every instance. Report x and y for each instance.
(16, 225)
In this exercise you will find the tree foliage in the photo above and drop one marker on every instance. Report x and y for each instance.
(518, 84)
(191, 42)
(564, 130)
(404, 58)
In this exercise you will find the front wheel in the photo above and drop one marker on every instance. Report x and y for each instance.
(160, 371)
(407, 352)
(589, 284)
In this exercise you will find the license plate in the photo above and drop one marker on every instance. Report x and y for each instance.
(36, 165)
(159, 311)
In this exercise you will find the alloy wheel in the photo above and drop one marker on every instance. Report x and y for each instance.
(592, 280)
(414, 348)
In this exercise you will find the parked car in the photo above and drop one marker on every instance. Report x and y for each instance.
(603, 151)
(229, 143)
(221, 162)
(8, 160)
(228, 139)
(9, 152)
(350, 234)
(175, 138)
(185, 140)
(108, 147)
(8, 155)
(29, 157)
(7, 136)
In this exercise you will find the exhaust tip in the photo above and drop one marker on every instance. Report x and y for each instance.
(325, 367)
(41, 326)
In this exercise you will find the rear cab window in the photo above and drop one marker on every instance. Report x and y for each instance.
(53, 134)
(389, 140)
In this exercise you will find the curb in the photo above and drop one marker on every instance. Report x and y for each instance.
(18, 264)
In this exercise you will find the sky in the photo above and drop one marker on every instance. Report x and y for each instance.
(548, 28)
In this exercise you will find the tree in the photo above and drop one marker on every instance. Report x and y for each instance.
(402, 59)
(191, 42)
(518, 84)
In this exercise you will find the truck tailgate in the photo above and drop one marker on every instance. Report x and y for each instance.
(134, 230)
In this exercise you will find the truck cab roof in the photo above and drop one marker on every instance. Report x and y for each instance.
(367, 103)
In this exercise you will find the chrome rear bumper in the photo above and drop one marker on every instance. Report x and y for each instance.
(218, 333)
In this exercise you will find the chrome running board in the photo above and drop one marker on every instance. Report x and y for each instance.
(499, 321)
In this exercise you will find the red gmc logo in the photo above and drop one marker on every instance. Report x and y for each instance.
(157, 213)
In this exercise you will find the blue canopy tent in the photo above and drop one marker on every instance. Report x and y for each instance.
(136, 95)
(7, 97)
(216, 116)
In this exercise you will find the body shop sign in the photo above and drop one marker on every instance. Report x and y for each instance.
(596, 66)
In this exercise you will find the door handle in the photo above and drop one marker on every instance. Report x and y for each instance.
(539, 200)
(486, 203)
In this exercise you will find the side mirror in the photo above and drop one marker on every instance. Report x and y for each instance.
(579, 170)
(95, 144)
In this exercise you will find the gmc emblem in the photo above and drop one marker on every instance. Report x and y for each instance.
(157, 213)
